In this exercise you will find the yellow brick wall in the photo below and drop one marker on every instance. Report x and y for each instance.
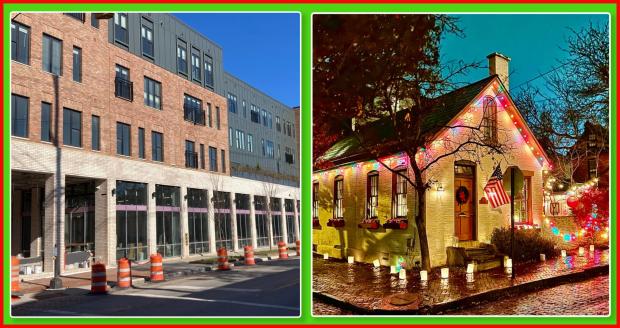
(367, 245)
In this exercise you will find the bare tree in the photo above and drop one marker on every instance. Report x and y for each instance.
(270, 190)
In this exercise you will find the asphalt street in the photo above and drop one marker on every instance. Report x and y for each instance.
(267, 289)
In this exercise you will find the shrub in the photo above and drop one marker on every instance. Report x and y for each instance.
(529, 244)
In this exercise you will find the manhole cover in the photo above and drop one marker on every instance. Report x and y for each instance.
(404, 299)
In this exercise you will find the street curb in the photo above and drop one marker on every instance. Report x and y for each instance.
(471, 300)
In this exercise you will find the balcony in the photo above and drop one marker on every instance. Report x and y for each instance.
(191, 159)
(123, 88)
(194, 115)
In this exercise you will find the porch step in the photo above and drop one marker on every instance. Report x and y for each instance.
(485, 258)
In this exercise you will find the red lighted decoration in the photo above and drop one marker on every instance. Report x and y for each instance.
(399, 224)
(572, 201)
(369, 224)
(336, 223)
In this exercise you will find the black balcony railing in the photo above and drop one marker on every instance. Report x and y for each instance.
(194, 115)
(123, 88)
(191, 159)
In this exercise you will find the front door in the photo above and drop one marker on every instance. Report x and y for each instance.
(464, 206)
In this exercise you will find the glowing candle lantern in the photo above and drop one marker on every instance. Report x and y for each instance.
(581, 251)
(445, 273)
(393, 269)
(470, 268)
(423, 275)
(326, 256)
(350, 259)
(543, 257)
(376, 263)
(402, 275)
(469, 277)
(563, 253)
(591, 248)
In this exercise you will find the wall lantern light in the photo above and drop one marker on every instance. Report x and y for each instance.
(440, 187)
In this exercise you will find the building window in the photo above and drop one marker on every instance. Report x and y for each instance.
(372, 194)
(244, 108)
(181, 57)
(262, 144)
(120, 28)
(131, 220)
(141, 143)
(168, 220)
(79, 16)
(196, 65)
(46, 121)
(250, 143)
(288, 129)
(209, 72)
(146, 37)
(269, 149)
(523, 202)
(254, 114)
(19, 116)
(315, 200)
(202, 156)
(223, 160)
(288, 155)
(192, 110)
(338, 197)
(269, 120)
(212, 159)
(52, 55)
(123, 139)
(217, 117)
(592, 168)
(157, 145)
(489, 120)
(94, 21)
(77, 64)
(399, 187)
(232, 103)
(123, 87)
(95, 132)
(20, 43)
(72, 127)
(264, 116)
(198, 222)
(230, 137)
(191, 157)
(278, 128)
(239, 139)
(152, 93)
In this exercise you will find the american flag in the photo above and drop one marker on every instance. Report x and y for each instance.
(495, 189)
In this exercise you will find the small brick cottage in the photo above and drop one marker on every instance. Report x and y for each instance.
(364, 210)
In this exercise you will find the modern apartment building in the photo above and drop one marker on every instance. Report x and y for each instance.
(120, 145)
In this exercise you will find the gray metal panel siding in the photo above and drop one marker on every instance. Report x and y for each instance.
(237, 121)
(167, 29)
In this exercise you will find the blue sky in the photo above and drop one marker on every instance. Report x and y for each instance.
(532, 42)
(261, 49)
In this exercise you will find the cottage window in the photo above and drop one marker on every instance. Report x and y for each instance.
(399, 185)
(315, 200)
(338, 196)
(372, 194)
(592, 168)
(523, 202)
(489, 120)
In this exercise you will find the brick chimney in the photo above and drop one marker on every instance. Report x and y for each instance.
(498, 64)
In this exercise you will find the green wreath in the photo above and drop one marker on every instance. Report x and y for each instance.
(462, 195)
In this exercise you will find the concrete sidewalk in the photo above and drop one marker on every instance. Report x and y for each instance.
(139, 273)
(361, 289)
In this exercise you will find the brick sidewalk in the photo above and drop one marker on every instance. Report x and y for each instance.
(360, 287)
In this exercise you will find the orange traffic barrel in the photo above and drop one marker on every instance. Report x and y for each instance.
(157, 268)
(222, 259)
(98, 280)
(282, 250)
(15, 276)
(298, 247)
(249, 255)
(123, 275)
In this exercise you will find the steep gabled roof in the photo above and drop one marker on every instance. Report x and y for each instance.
(445, 108)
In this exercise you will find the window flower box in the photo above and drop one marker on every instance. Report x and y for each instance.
(398, 224)
(316, 223)
(336, 223)
(370, 224)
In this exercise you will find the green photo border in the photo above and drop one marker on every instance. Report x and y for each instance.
(306, 11)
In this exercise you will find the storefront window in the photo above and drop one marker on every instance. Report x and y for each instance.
(131, 216)
(80, 217)
(168, 224)
(262, 227)
(244, 233)
(197, 220)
